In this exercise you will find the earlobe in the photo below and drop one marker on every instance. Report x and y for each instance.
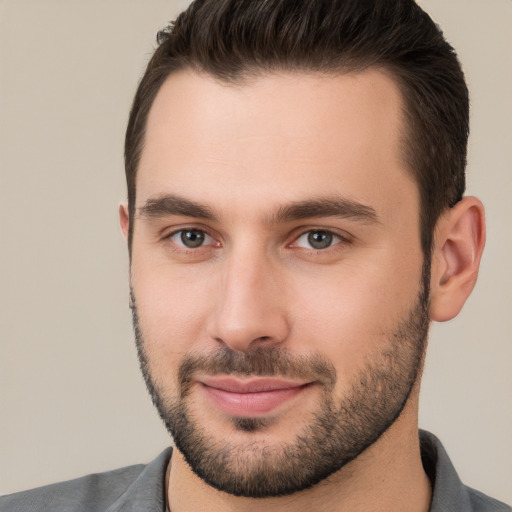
(124, 219)
(459, 243)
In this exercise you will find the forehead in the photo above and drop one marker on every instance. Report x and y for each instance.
(277, 136)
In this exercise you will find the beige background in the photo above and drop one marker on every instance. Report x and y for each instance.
(71, 398)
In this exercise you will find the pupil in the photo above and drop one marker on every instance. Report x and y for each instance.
(320, 239)
(192, 238)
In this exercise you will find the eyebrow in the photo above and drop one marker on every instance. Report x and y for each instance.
(332, 206)
(175, 205)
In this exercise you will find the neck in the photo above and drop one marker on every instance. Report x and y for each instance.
(388, 476)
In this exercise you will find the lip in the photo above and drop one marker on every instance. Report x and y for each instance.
(250, 398)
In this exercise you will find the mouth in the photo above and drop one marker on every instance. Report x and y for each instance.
(250, 398)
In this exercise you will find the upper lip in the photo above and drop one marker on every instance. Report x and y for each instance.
(254, 385)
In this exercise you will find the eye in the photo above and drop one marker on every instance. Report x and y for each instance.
(191, 238)
(317, 239)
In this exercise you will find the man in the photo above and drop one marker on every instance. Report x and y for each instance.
(295, 220)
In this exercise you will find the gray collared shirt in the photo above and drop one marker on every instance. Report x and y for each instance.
(142, 488)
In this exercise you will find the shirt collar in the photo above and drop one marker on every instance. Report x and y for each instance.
(147, 492)
(448, 492)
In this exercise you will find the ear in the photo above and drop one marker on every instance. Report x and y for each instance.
(124, 219)
(458, 245)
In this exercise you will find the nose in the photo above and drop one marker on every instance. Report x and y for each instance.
(250, 309)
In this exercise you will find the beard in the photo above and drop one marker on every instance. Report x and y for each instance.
(341, 429)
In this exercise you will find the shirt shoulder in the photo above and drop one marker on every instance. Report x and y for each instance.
(483, 503)
(86, 494)
(449, 494)
(121, 489)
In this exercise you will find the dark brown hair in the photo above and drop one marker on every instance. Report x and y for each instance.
(234, 39)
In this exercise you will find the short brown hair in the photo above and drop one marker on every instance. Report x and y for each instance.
(233, 39)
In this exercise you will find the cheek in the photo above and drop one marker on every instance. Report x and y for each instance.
(172, 309)
(349, 317)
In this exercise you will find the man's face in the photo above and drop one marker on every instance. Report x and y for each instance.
(276, 273)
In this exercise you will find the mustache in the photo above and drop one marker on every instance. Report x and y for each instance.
(267, 362)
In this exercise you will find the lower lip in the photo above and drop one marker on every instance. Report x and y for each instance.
(250, 404)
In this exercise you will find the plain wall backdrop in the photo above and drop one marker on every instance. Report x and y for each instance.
(71, 397)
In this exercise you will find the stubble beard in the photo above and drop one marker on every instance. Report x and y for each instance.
(340, 430)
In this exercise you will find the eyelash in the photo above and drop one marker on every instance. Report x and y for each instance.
(182, 231)
(333, 239)
(337, 239)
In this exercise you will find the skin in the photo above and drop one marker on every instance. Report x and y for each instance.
(245, 152)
